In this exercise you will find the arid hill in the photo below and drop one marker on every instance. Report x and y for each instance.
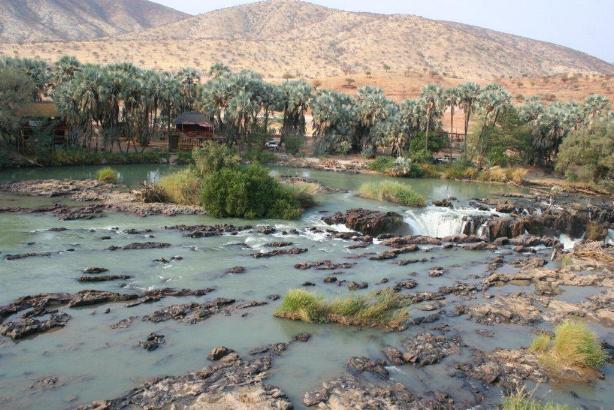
(291, 38)
(53, 20)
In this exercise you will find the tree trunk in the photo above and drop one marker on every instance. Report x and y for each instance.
(428, 126)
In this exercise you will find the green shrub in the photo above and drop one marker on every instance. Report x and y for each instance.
(247, 193)
(521, 401)
(213, 156)
(303, 192)
(259, 155)
(182, 187)
(381, 164)
(389, 191)
(107, 175)
(385, 309)
(293, 143)
(573, 345)
(405, 167)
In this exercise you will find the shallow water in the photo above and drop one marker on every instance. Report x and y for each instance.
(94, 361)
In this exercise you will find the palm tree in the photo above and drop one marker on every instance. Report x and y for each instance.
(492, 100)
(189, 79)
(432, 99)
(372, 107)
(596, 105)
(296, 95)
(468, 94)
(451, 101)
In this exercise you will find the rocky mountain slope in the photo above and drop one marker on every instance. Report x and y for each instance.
(53, 20)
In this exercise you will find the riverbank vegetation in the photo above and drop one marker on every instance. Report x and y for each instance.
(383, 310)
(225, 188)
(574, 345)
(522, 401)
(108, 175)
(121, 108)
(391, 191)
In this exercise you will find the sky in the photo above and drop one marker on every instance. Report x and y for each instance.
(584, 25)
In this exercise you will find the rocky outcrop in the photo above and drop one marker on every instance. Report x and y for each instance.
(517, 309)
(423, 350)
(368, 222)
(351, 393)
(230, 383)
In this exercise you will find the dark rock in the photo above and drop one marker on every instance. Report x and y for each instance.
(27, 255)
(219, 352)
(236, 270)
(273, 297)
(444, 203)
(124, 323)
(436, 272)
(393, 355)
(94, 270)
(323, 265)
(152, 342)
(98, 297)
(191, 312)
(103, 278)
(427, 349)
(266, 230)
(29, 326)
(368, 222)
(352, 285)
(273, 349)
(308, 284)
(142, 245)
(364, 364)
(278, 252)
(222, 385)
(302, 337)
(330, 279)
(278, 244)
(405, 284)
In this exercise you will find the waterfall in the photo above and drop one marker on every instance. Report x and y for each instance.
(440, 222)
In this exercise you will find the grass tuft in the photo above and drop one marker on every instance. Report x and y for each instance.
(108, 175)
(522, 401)
(391, 191)
(574, 346)
(384, 310)
(303, 192)
(182, 187)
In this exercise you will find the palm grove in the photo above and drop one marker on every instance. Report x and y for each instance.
(107, 105)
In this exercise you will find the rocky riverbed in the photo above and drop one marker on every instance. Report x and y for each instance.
(111, 310)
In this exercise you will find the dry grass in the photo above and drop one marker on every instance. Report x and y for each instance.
(523, 401)
(182, 188)
(384, 310)
(573, 346)
(391, 191)
(108, 175)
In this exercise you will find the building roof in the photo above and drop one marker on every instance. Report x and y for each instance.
(45, 109)
(193, 118)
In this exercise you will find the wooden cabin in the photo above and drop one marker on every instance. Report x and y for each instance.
(192, 128)
(45, 117)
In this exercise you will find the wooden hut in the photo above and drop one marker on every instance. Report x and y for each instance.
(43, 116)
(193, 128)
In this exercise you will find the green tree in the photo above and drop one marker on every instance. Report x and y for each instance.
(16, 90)
(432, 101)
(469, 94)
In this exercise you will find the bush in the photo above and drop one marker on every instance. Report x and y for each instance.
(381, 164)
(389, 191)
(213, 156)
(404, 167)
(247, 193)
(293, 143)
(573, 345)
(521, 401)
(182, 187)
(303, 192)
(383, 310)
(589, 152)
(259, 155)
(107, 175)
